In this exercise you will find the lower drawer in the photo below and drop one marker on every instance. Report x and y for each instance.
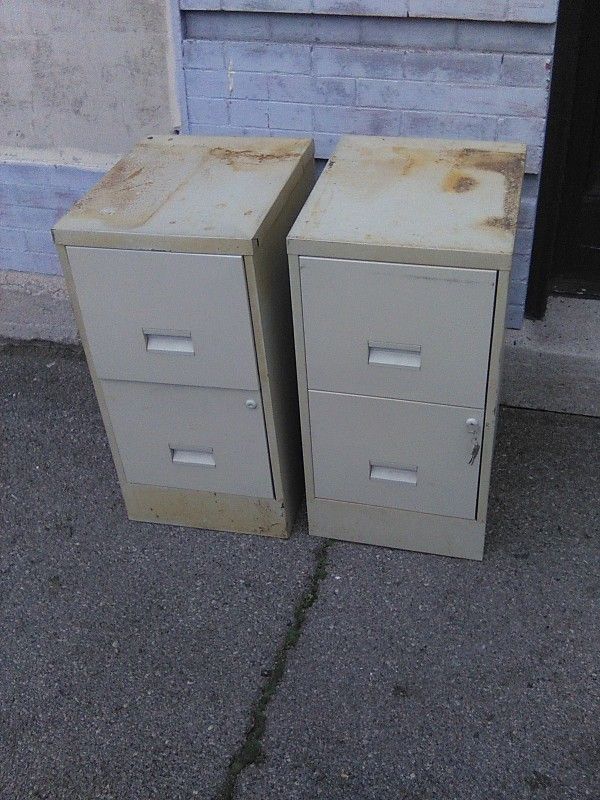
(395, 453)
(190, 438)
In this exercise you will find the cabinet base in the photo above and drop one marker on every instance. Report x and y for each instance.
(220, 512)
(391, 527)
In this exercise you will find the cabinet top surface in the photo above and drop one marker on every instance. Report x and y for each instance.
(427, 200)
(186, 187)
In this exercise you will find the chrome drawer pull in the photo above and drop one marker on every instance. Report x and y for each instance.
(380, 472)
(401, 356)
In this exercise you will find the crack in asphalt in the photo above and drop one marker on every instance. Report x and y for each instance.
(251, 752)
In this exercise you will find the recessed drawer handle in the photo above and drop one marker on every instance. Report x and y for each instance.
(380, 472)
(165, 342)
(199, 458)
(402, 356)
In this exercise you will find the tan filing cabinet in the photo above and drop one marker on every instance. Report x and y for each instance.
(399, 268)
(177, 271)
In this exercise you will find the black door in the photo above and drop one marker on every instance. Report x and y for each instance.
(577, 259)
(566, 253)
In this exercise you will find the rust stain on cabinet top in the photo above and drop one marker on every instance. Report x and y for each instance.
(190, 186)
(435, 195)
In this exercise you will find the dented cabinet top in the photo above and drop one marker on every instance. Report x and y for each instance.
(423, 201)
(188, 194)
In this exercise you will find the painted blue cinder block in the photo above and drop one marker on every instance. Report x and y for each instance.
(32, 198)
(502, 38)
(25, 261)
(448, 126)
(523, 241)
(26, 217)
(452, 67)
(249, 113)
(310, 89)
(525, 70)
(266, 57)
(206, 109)
(39, 241)
(517, 291)
(527, 212)
(422, 96)
(408, 32)
(13, 239)
(205, 83)
(209, 129)
(229, 25)
(292, 116)
(74, 179)
(538, 11)
(459, 9)
(371, 121)
(37, 196)
(529, 130)
(520, 267)
(359, 62)
(361, 7)
(17, 172)
(514, 316)
(203, 54)
(248, 85)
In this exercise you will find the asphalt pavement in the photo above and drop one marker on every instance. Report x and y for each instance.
(141, 661)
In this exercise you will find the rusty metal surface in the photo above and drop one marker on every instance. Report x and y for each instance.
(438, 196)
(177, 187)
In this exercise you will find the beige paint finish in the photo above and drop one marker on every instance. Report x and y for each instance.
(367, 332)
(394, 453)
(218, 511)
(359, 519)
(189, 193)
(187, 437)
(397, 528)
(422, 201)
(180, 318)
(265, 269)
(88, 75)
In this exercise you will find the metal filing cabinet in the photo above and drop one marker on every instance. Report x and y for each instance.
(399, 267)
(177, 272)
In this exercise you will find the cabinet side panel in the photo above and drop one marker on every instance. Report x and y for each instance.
(269, 291)
(112, 441)
(298, 317)
(493, 393)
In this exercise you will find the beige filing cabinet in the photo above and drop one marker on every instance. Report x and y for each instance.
(399, 267)
(177, 272)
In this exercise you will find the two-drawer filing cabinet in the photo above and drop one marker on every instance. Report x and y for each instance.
(399, 267)
(177, 272)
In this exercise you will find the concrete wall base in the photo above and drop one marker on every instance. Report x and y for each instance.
(35, 306)
(554, 364)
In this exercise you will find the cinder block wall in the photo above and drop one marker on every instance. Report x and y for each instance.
(32, 197)
(478, 69)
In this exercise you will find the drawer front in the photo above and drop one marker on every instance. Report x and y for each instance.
(190, 438)
(394, 453)
(166, 317)
(395, 330)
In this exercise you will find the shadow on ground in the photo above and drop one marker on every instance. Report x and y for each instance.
(143, 661)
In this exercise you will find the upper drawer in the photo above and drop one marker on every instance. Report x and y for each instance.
(176, 318)
(396, 330)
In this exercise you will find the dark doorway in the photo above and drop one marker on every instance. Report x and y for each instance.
(566, 254)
